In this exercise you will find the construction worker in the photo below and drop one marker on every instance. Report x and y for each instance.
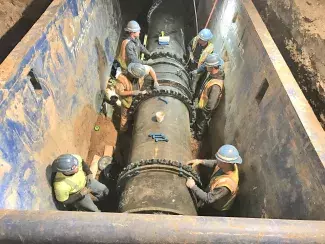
(223, 185)
(209, 93)
(199, 48)
(74, 182)
(131, 47)
(129, 85)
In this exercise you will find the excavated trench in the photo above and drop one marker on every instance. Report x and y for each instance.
(51, 95)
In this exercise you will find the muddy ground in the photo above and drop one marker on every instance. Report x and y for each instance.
(106, 135)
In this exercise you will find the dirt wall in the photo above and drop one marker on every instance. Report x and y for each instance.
(16, 18)
(297, 27)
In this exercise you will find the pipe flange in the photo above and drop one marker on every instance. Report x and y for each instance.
(162, 54)
(182, 170)
(163, 92)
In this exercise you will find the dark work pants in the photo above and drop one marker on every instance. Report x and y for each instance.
(202, 120)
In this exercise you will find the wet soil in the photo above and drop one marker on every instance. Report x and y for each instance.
(106, 135)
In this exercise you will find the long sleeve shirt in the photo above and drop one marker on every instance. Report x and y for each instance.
(133, 49)
(211, 196)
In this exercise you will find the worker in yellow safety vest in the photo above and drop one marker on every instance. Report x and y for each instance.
(131, 46)
(199, 48)
(209, 93)
(73, 183)
(129, 84)
(223, 185)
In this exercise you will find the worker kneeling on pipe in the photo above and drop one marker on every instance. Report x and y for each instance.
(129, 85)
(209, 93)
(223, 185)
(199, 48)
(131, 47)
(74, 182)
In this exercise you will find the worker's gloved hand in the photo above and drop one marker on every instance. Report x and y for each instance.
(89, 178)
(190, 183)
(148, 62)
(194, 162)
(136, 92)
(84, 191)
(191, 56)
(155, 85)
(194, 72)
(143, 92)
(148, 54)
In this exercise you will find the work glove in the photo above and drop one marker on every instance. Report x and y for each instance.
(89, 178)
(190, 183)
(136, 92)
(193, 72)
(191, 57)
(155, 85)
(195, 162)
(84, 191)
(148, 62)
(143, 92)
(148, 55)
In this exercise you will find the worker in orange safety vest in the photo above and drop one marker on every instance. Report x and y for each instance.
(131, 46)
(200, 47)
(223, 186)
(209, 93)
(129, 84)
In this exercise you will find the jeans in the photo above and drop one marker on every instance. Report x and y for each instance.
(99, 190)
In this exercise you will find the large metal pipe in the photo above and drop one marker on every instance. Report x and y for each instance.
(81, 227)
(154, 180)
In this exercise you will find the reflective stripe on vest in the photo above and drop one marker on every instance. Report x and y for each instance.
(122, 55)
(204, 96)
(126, 100)
(67, 185)
(231, 182)
(209, 49)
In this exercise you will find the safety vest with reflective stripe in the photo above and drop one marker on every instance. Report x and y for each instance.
(122, 55)
(66, 185)
(204, 95)
(209, 49)
(126, 83)
(226, 180)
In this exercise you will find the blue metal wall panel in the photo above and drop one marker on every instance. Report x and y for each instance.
(62, 49)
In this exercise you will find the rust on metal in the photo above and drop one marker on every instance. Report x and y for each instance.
(69, 227)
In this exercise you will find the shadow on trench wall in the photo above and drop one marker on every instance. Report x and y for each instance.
(13, 36)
